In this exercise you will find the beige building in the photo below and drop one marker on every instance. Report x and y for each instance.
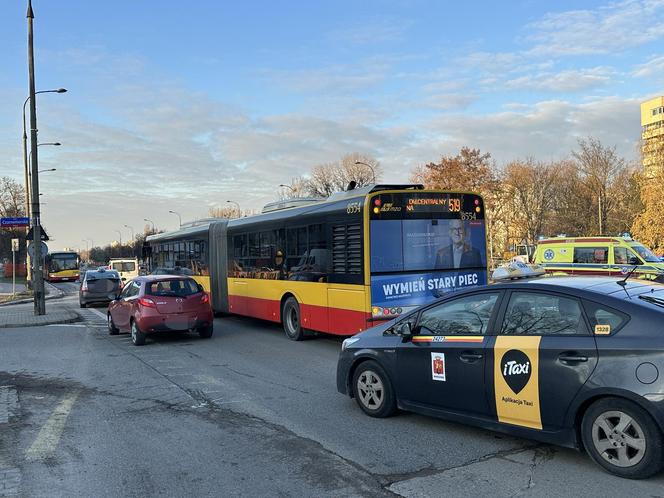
(652, 133)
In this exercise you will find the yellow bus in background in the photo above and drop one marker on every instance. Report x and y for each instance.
(337, 265)
(61, 266)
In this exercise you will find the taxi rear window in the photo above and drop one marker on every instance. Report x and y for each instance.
(601, 317)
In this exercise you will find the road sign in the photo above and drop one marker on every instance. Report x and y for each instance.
(44, 235)
(31, 249)
(14, 222)
(15, 246)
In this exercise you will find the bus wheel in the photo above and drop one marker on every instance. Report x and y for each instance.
(290, 317)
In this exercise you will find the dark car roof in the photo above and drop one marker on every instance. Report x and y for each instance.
(597, 286)
(102, 274)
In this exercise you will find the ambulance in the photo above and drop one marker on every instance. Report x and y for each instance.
(608, 256)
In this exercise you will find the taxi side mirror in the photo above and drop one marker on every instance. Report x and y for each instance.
(404, 329)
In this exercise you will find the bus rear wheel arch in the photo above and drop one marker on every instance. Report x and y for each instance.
(291, 319)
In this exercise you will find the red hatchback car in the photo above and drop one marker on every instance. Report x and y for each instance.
(160, 303)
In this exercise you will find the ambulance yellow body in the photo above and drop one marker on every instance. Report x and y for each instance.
(612, 256)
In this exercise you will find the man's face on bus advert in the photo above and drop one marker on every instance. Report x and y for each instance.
(457, 233)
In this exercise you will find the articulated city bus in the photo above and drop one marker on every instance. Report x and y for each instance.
(61, 266)
(337, 265)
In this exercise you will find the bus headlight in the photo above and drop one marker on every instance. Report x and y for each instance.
(348, 342)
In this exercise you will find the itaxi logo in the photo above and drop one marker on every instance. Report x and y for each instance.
(516, 369)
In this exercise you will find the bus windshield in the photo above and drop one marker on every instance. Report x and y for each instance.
(64, 262)
(424, 245)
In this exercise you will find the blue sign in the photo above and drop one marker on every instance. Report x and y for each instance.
(14, 222)
(421, 288)
(549, 254)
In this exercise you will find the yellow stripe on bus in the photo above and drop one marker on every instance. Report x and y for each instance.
(342, 296)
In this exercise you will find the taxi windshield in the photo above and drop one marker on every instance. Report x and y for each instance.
(645, 253)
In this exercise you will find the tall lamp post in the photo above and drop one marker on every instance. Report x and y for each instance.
(178, 215)
(150, 221)
(25, 148)
(132, 232)
(35, 221)
(239, 213)
(373, 173)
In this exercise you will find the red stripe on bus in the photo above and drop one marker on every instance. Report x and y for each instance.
(319, 318)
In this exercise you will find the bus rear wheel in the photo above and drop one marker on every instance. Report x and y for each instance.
(290, 317)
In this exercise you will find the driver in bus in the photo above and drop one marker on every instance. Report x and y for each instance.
(459, 254)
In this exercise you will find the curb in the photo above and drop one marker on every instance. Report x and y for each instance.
(49, 295)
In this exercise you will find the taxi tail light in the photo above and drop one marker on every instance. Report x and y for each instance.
(205, 298)
(148, 303)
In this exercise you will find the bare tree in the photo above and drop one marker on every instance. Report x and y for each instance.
(601, 168)
(12, 197)
(229, 212)
(328, 178)
(297, 187)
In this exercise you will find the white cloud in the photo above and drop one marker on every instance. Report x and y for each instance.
(652, 67)
(569, 80)
(614, 27)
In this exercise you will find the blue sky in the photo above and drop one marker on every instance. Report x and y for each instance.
(183, 105)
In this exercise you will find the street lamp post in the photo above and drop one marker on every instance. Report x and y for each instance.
(87, 248)
(373, 173)
(132, 232)
(25, 149)
(239, 213)
(288, 187)
(27, 190)
(150, 221)
(178, 215)
(35, 222)
(120, 241)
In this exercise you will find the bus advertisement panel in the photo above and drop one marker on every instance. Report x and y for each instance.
(422, 246)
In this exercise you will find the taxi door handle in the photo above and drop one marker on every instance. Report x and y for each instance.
(572, 357)
(470, 357)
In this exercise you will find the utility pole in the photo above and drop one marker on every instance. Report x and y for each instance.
(35, 222)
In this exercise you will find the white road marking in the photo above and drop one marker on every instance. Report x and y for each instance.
(66, 325)
(50, 434)
(98, 313)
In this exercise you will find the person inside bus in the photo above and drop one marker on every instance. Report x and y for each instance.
(459, 254)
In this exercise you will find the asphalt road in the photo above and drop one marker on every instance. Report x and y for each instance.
(247, 412)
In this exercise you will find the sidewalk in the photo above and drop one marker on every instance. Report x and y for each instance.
(52, 292)
(26, 318)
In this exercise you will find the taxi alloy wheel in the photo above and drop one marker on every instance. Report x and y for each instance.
(112, 329)
(137, 337)
(373, 390)
(621, 437)
(291, 320)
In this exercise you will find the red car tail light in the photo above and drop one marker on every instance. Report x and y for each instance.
(84, 287)
(205, 299)
(148, 303)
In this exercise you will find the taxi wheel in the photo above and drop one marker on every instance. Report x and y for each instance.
(621, 436)
(290, 316)
(112, 329)
(137, 337)
(373, 390)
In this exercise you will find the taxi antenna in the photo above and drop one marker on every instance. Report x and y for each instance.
(622, 283)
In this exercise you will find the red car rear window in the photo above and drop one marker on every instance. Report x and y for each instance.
(175, 287)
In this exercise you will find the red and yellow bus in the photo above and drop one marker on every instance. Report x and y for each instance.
(337, 265)
(61, 266)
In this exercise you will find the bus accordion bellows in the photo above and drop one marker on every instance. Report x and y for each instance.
(337, 265)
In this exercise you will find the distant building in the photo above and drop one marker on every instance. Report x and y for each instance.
(652, 133)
